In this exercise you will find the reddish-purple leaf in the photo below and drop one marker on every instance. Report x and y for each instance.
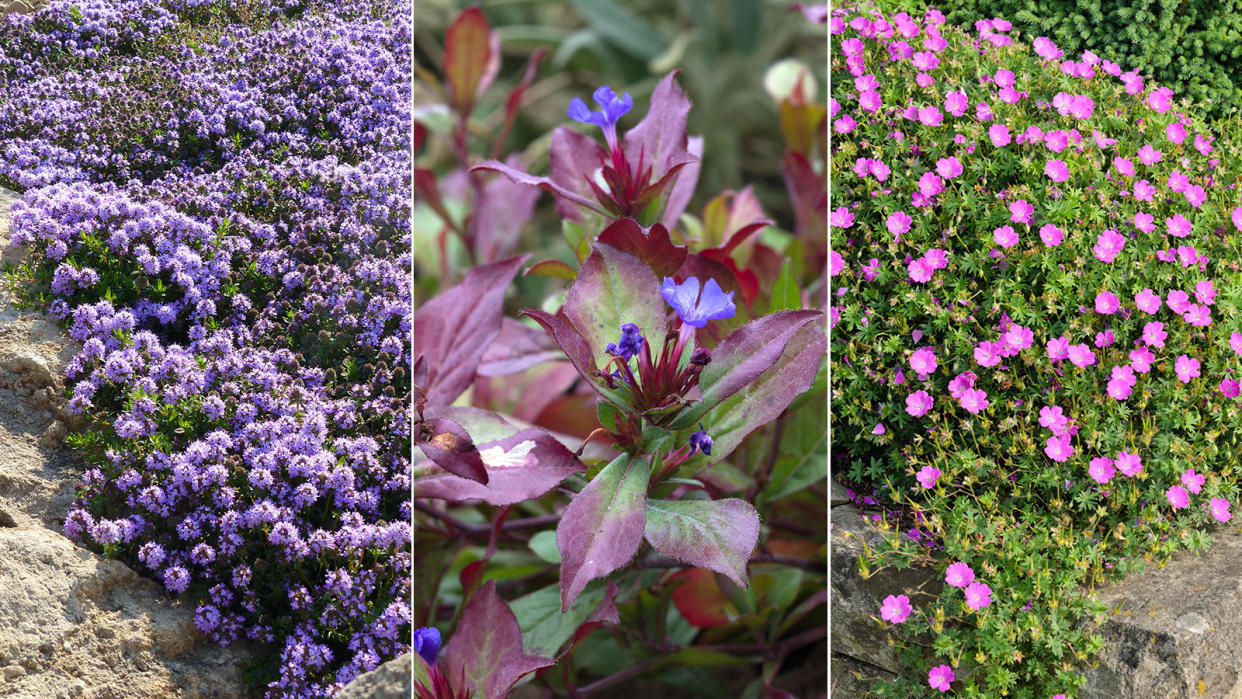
(519, 467)
(454, 329)
(570, 341)
(544, 183)
(715, 534)
(487, 648)
(809, 195)
(743, 356)
(652, 245)
(603, 526)
(574, 415)
(762, 400)
(673, 165)
(471, 58)
(451, 448)
(514, 100)
(662, 132)
(502, 210)
(615, 287)
(553, 268)
(682, 190)
(525, 395)
(516, 349)
(573, 158)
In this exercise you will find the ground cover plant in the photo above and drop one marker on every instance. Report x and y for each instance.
(216, 204)
(620, 426)
(1035, 340)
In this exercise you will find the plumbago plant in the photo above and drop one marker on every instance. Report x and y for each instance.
(1035, 345)
(677, 364)
(230, 246)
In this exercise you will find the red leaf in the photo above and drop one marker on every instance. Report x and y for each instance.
(571, 343)
(700, 599)
(652, 246)
(747, 282)
(809, 195)
(516, 349)
(514, 100)
(454, 329)
(487, 648)
(471, 58)
(573, 158)
(603, 526)
(683, 187)
(471, 576)
(451, 449)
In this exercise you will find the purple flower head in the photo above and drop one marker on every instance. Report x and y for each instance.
(427, 643)
(631, 342)
(696, 310)
(614, 107)
(700, 441)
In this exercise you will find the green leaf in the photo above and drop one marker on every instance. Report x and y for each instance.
(544, 546)
(785, 295)
(622, 28)
(544, 628)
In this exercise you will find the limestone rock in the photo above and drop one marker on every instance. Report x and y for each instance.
(855, 600)
(392, 680)
(30, 368)
(1176, 633)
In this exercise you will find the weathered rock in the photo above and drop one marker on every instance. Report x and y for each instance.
(392, 680)
(30, 368)
(1176, 632)
(839, 494)
(856, 627)
(54, 435)
(852, 679)
(20, 6)
(71, 618)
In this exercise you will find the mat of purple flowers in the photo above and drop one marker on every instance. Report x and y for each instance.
(216, 203)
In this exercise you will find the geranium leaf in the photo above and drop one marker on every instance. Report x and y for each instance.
(453, 330)
(652, 246)
(487, 648)
(715, 534)
(743, 356)
(615, 287)
(603, 526)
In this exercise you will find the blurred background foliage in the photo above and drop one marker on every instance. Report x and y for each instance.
(723, 49)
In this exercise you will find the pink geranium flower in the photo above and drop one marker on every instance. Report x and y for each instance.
(962, 382)
(1141, 359)
(1121, 383)
(956, 103)
(1123, 166)
(1186, 368)
(1144, 190)
(1053, 417)
(923, 361)
(1020, 211)
(978, 596)
(1051, 235)
(1108, 245)
(1106, 303)
(1045, 49)
(1193, 481)
(1179, 226)
(1081, 355)
(1059, 448)
(999, 134)
(1058, 349)
(927, 477)
(959, 574)
(1230, 388)
(1148, 155)
(1101, 469)
(1178, 181)
(1175, 132)
(1154, 334)
(1147, 301)
(1129, 464)
(1019, 338)
(1005, 236)
(949, 167)
(1205, 292)
(930, 184)
(896, 608)
(1177, 497)
(898, 222)
(1161, 99)
(918, 403)
(1144, 222)
(974, 400)
(1179, 301)
(920, 270)
(1220, 510)
(940, 677)
(1056, 170)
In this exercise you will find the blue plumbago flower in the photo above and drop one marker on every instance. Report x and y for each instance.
(696, 310)
(427, 643)
(700, 441)
(631, 342)
(614, 108)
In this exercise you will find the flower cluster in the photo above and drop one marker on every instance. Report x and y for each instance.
(232, 251)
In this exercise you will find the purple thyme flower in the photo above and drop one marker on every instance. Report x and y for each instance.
(696, 310)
